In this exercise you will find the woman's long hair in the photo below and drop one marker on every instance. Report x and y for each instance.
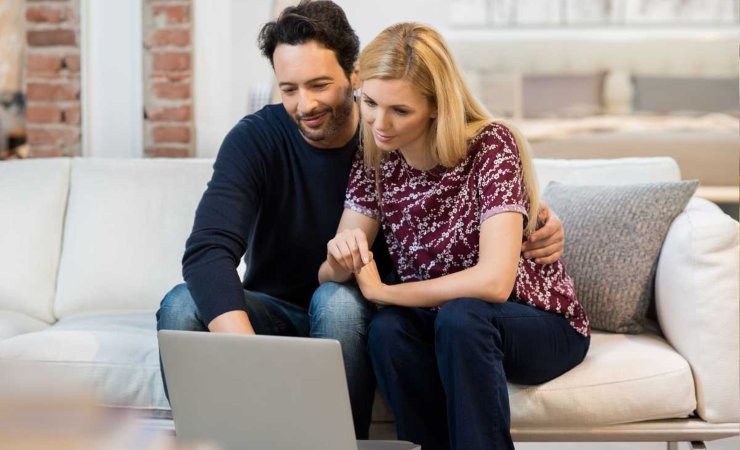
(418, 54)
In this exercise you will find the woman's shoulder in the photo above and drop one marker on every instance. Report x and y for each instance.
(492, 139)
(493, 133)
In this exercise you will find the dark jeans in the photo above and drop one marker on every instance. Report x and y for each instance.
(337, 311)
(444, 373)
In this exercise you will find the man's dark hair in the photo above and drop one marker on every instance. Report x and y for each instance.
(321, 21)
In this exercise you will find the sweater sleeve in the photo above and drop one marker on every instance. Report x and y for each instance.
(223, 221)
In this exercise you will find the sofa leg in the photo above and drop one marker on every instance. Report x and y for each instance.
(698, 445)
(671, 446)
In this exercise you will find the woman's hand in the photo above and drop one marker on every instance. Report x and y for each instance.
(370, 284)
(348, 251)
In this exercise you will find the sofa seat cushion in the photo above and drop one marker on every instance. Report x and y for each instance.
(13, 323)
(624, 378)
(115, 356)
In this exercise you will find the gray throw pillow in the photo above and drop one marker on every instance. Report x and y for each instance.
(613, 238)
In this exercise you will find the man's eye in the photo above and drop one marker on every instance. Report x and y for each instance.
(288, 90)
(320, 87)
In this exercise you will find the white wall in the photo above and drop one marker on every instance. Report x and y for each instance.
(111, 77)
(227, 64)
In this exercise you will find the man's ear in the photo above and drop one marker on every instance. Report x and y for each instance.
(354, 79)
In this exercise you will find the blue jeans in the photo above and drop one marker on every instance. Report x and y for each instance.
(336, 311)
(444, 373)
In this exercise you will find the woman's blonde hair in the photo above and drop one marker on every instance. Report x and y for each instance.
(418, 54)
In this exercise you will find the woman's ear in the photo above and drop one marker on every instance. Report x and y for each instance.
(433, 115)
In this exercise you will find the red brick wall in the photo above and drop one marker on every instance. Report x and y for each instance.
(168, 76)
(52, 77)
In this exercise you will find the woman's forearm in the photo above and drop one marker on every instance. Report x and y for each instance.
(476, 282)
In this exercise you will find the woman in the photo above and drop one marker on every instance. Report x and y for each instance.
(456, 190)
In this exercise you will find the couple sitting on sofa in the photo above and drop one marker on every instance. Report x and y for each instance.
(455, 193)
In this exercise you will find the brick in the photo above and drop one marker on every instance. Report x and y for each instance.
(164, 134)
(46, 152)
(172, 61)
(43, 64)
(172, 114)
(43, 113)
(167, 152)
(46, 136)
(172, 90)
(72, 62)
(172, 37)
(49, 91)
(45, 14)
(170, 75)
(174, 14)
(71, 115)
(51, 38)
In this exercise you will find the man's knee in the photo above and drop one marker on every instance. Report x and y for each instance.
(339, 303)
(178, 311)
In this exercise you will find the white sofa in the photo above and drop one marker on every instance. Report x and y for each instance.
(88, 247)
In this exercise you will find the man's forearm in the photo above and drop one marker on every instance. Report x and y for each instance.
(235, 322)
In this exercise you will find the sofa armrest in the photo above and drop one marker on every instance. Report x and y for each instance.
(696, 290)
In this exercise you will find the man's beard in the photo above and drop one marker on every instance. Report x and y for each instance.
(334, 124)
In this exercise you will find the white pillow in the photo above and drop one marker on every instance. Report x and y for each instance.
(125, 232)
(33, 198)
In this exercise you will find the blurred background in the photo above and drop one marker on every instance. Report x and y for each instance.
(582, 78)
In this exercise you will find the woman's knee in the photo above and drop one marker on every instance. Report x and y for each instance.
(387, 326)
(462, 316)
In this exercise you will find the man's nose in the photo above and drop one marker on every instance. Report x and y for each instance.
(307, 102)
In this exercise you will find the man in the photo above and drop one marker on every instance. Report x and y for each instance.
(276, 196)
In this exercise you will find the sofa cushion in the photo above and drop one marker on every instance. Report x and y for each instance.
(13, 323)
(115, 356)
(624, 378)
(33, 197)
(697, 291)
(125, 232)
(614, 236)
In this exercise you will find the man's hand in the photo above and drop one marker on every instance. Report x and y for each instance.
(546, 244)
(348, 250)
(235, 322)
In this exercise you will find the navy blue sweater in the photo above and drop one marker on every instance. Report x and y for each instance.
(275, 197)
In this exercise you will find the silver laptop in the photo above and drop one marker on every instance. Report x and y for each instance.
(260, 392)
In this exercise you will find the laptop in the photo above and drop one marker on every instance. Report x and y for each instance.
(260, 392)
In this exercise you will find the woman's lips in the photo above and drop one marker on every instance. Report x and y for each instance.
(382, 137)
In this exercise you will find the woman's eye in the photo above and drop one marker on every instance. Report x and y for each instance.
(369, 102)
(401, 112)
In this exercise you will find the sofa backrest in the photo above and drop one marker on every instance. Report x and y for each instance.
(33, 197)
(606, 171)
(127, 222)
(125, 230)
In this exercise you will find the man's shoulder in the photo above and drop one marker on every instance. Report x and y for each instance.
(271, 119)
